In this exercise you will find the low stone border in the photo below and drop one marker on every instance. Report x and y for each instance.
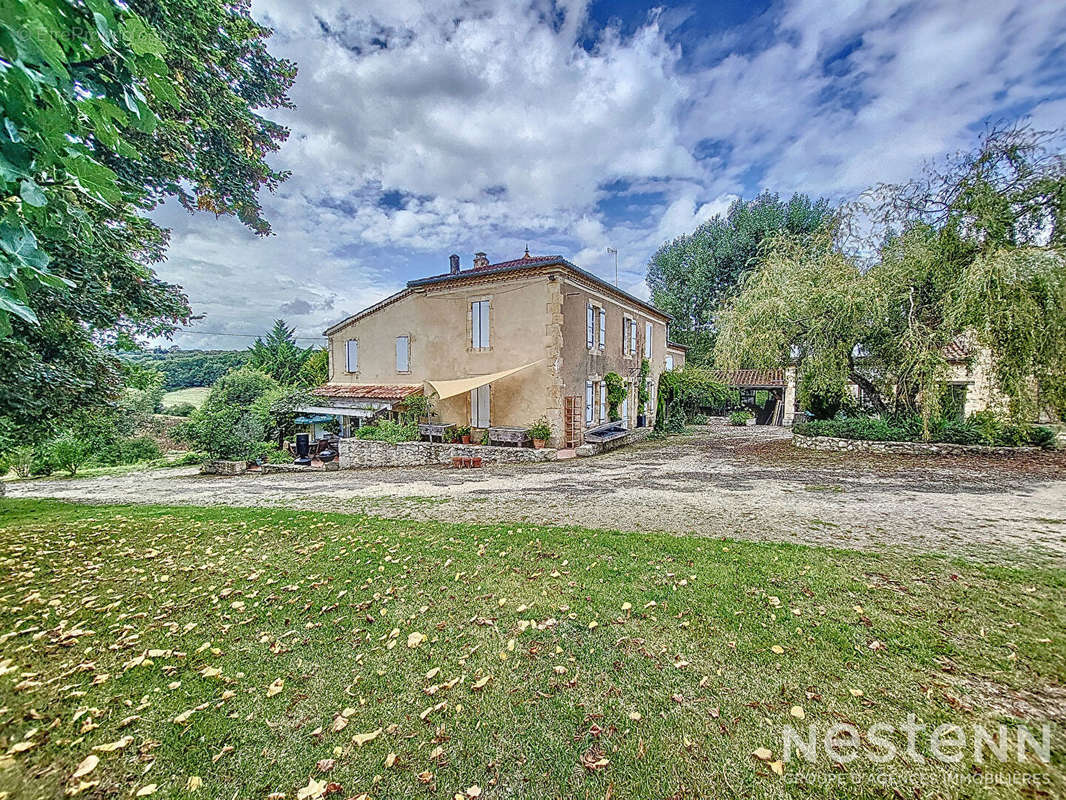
(634, 436)
(274, 469)
(355, 453)
(222, 467)
(905, 448)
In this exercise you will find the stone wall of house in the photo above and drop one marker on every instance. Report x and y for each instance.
(904, 448)
(357, 453)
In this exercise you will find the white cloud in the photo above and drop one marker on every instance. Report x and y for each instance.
(498, 124)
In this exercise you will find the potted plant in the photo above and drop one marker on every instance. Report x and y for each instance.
(541, 432)
(462, 433)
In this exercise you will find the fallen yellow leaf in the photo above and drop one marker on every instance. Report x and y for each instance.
(364, 738)
(111, 747)
(85, 767)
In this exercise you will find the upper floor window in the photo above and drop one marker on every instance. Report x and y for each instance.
(669, 362)
(603, 328)
(351, 355)
(403, 353)
(479, 324)
(590, 326)
(647, 340)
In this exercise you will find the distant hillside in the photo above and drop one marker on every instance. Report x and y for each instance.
(187, 368)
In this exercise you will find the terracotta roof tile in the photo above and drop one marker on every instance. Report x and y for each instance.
(956, 351)
(367, 391)
(751, 377)
(518, 262)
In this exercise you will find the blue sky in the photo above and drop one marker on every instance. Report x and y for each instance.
(427, 128)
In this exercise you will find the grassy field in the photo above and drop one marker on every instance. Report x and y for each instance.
(195, 395)
(275, 653)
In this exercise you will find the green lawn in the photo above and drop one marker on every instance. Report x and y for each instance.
(195, 395)
(425, 660)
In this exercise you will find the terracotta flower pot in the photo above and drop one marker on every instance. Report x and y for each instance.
(466, 438)
(539, 443)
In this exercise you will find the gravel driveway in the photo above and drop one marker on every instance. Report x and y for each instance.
(739, 482)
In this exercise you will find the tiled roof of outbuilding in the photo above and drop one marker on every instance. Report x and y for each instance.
(743, 378)
(367, 391)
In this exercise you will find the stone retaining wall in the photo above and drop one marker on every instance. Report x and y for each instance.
(635, 435)
(905, 448)
(355, 453)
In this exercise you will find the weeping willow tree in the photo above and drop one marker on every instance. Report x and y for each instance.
(1015, 303)
(807, 302)
(972, 251)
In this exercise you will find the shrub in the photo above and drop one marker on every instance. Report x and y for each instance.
(983, 428)
(388, 431)
(739, 418)
(228, 432)
(683, 392)
(180, 410)
(43, 462)
(5, 464)
(235, 419)
(22, 460)
(616, 393)
(69, 453)
(416, 408)
(138, 449)
(642, 387)
(276, 455)
(240, 388)
(190, 459)
(542, 429)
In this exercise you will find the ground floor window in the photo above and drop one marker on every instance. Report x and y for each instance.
(603, 401)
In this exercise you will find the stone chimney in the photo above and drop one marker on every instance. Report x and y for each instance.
(453, 264)
(480, 260)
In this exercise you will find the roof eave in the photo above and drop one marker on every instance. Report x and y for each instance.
(559, 262)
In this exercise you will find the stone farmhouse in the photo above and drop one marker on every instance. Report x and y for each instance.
(499, 344)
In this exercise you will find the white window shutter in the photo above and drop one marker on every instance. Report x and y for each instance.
(647, 340)
(479, 407)
(589, 401)
(603, 328)
(590, 326)
(479, 324)
(351, 355)
(603, 401)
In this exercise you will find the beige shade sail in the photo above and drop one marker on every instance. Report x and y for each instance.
(449, 388)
